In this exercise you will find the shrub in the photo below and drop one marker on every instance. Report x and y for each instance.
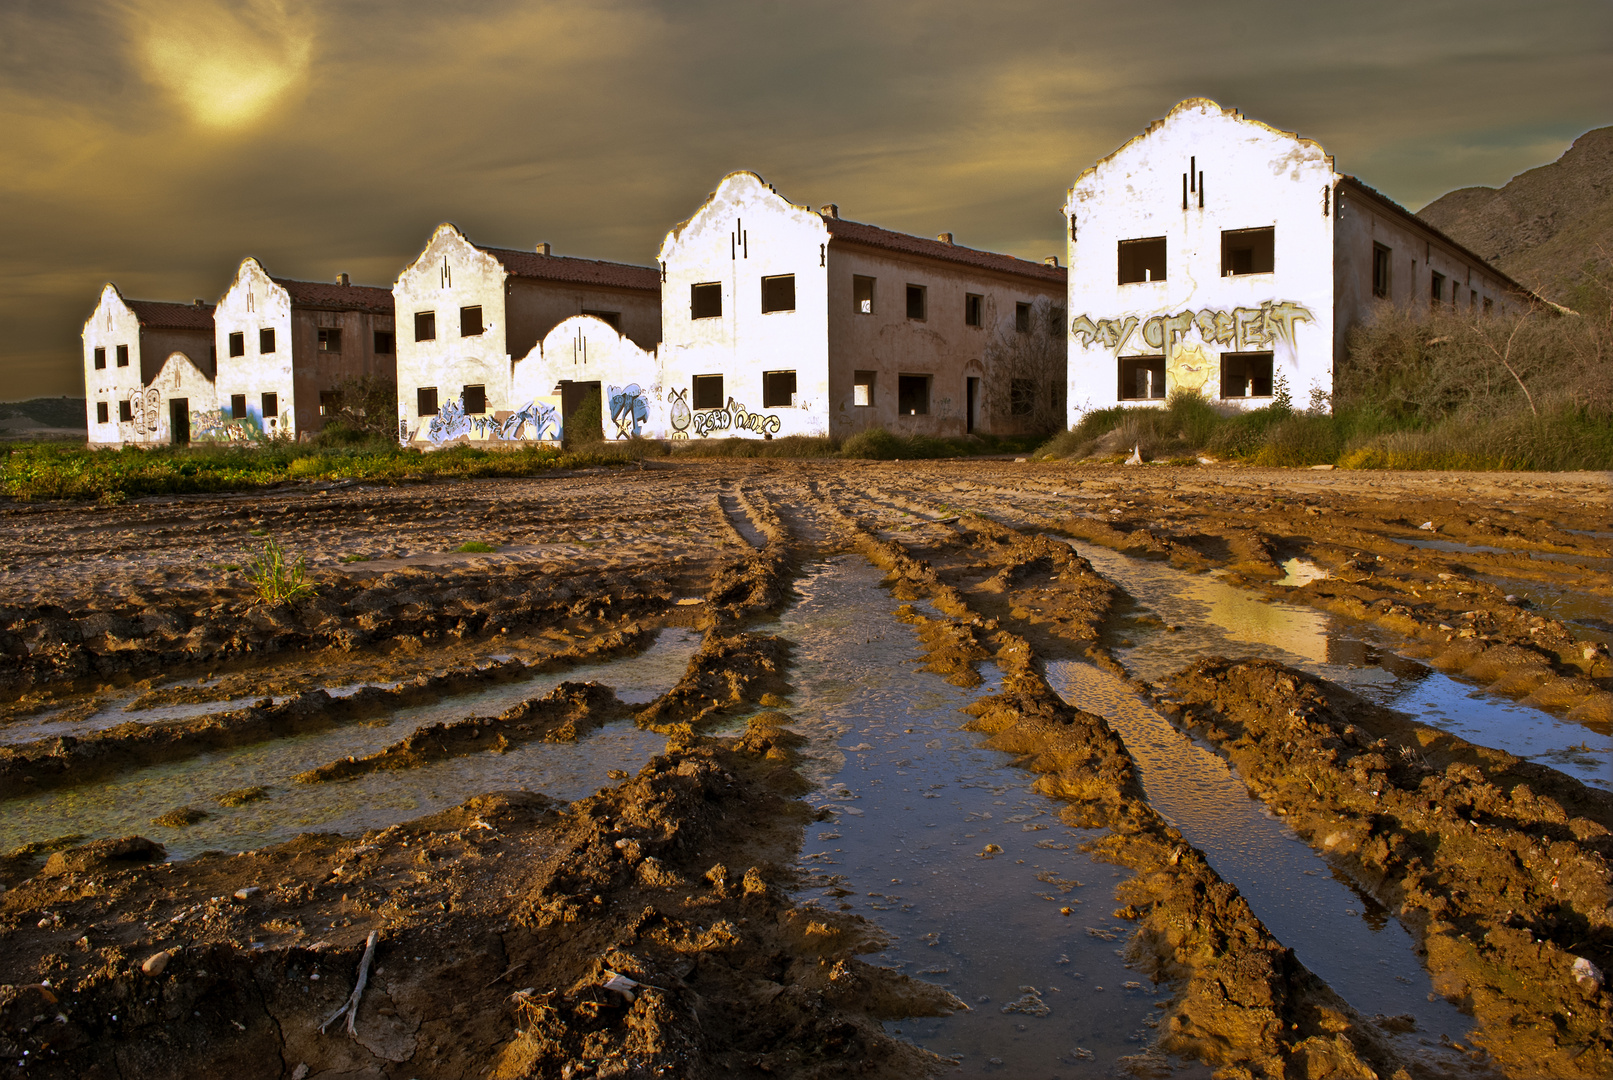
(277, 581)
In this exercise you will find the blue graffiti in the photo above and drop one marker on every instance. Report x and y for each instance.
(452, 421)
(629, 409)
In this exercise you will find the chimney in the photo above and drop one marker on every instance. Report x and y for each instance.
(543, 248)
(945, 238)
(830, 210)
(341, 279)
(1051, 260)
(198, 302)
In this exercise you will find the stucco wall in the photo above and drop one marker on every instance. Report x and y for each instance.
(536, 306)
(182, 379)
(114, 323)
(252, 303)
(583, 349)
(315, 371)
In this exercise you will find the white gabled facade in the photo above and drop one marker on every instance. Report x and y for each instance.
(132, 348)
(252, 328)
(112, 372)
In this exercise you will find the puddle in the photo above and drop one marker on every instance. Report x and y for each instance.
(1590, 616)
(1590, 562)
(1298, 571)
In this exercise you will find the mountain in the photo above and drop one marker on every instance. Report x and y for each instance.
(1550, 228)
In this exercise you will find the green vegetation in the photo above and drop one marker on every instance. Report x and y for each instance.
(478, 547)
(277, 581)
(586, 424)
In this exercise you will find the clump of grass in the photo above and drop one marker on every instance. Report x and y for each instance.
(242, 796)
(356, 557)
(480, 547)
(277, 581)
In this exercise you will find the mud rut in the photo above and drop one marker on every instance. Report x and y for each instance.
(657, 927)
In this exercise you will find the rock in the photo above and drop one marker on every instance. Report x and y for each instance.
(300, 1072)
(115, 854)
(1587, 975)
(1428, 526)
(156, 962)
(248, 892)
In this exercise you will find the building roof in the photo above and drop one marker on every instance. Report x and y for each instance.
(855, 232)
(530, 264)
(168, 315)
(331, 296)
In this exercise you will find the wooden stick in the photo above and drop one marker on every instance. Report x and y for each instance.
(350, 1006)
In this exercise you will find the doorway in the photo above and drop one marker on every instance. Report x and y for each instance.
(179, 421)
(971, 409)
(582, 414)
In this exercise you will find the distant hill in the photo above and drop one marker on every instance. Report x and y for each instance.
(1548, 227)
(46, 417)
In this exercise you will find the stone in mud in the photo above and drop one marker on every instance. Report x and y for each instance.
(115, 854)
(156, 963)
(181, 817)
(242, 796)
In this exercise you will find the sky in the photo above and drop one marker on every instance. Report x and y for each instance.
(156, 143)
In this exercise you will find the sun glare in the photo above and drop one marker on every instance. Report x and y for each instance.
(226, 64)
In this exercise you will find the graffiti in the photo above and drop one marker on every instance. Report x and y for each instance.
(629, 409)
(1248, 328)
(735, 418)
(679, 413)
(144, 411)
(1189, 367)
(213, 425)
(452, 422)
(540, 414)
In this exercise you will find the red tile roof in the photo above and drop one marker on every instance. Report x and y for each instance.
(855, 232)
(330, 296)
(529, 264)
(167, 315)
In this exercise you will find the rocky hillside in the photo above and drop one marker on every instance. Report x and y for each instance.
(1549, 227)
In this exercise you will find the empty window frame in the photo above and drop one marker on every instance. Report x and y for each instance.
(708, 392)
(271, 407)
(238, 343)
(123, 356)
(915, 301)
(385, 343)
(1380, 271)
(470, 321)
(1022, 318)
(778, 293)
(1246, 375)
(330, 402)
(862, 294)
(475, 399)
(425, 326)
(1142, 260)
(1021, 397)
(102, 415)
(237, 406)
(1436, 287)
(125, 411)
(330, 339)
(913, 395)
(862, 388)
(100, 362)
(705, 300)
(612, 318)
(778, 389)
(425, 401)
(266, 340)
(1142, 378)
(1248, 251)
(1057, 395)
(973, 309)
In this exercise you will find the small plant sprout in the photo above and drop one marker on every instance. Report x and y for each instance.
(476, 547)
(276, 580)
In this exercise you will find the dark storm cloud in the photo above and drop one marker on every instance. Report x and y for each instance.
(156, 143)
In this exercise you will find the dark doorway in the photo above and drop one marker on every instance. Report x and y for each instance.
(582, 415)
(179, 421)
(971, 404)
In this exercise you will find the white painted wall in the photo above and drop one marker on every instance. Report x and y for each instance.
(180, 378)
(584, 349)
(113, 323)
(1254, 176)
(252, 303)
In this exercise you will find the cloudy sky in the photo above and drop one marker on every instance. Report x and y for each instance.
(154, 143)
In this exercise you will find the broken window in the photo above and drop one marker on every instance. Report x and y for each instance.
(237, 406)
(972, 309)
(384, 342)
(862, 294)
(271, 407)
(1380, 271)
(425, 400)
(778, 389)
(1248, 251)
(708, 392)
(915, 301)
(1436, 287)
(470, 321)
(612, 318)
(913, 395)
(125, 411)
(330, 339)
(1142, 260)
(1488, 304)
(1021, 397)
(100, 362)
(101, 414)
(1056, 393)
(778, 293)
(238, 344)
(1246, 375)
(475, 399)
(330, 402)
(266, 340)
(425, 326)
(123, 356)
(1022, 318)
(705, 300)
(1472, 300)
(862, 388)
(1055, 320)
(1142, 377)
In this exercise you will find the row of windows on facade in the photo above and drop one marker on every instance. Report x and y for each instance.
(1243, 375)
(471, 325)
(1383, 279)
(330, 340)
(778, 294)
(330, 403)
(1243, 251)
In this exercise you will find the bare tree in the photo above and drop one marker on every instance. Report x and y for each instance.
(1026, 364)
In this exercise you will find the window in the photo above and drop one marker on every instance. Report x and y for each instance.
(862, 294)
(971, 309)
(475, 398)
(425, 401)
(266, 340)
(100, 362)
(102, 416)
(915, 301)
(1056, 394)
(1472, 300)
(1488, 304)
(1245, 375)
(330, 402)
(862, 388)
(125, 411)
(778, 389)
(425, 326)
(614, 318)
(470, 321)
(778, 293)
(1248, 251)
(330, 339)
(237, 406)
(913, 395)
(1380, 271)
(1021, 396)
(1022, 318)
(1142, 377)
(123, 356)
(1436, 287)
(1142, 260)
(705, 301)
(384, 342)
(238, 344)
(708, 392)
(271, 407)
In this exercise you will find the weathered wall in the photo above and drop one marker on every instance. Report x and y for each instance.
(1253, 177)
(112, 324)
(535, 307)
(252, 303)
(583, 349)
(314, 370)
(181, 379)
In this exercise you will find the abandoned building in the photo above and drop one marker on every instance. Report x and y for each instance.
(1215, 253)
(148, 368)
(285, 349)
(471, 313)
(778, 320)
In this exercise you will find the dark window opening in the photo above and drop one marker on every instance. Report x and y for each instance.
(913, 395)
(271, 407)
(1380, 271)
(266, 340)
(862, 294)
(1022, 318)
(915, 301)
(385, 343)
(1057, 394)
(100, 362)
(1436, 287)
(123, 356)
(1248, 251)
(470, 321)
(425, 401)
(238, 344)
(708, 392)
(612, 318)
(330, 402)
(1488, 305)
(1021, 397)
(425, 326)
(1142, 377)
(125, 411)
(862, 388)
(237, 406)
(1142, 260)
(1055, 320)
(778, 389)
(778, 293)
(705, 301)
(971, 310)
(102, 415)
(330, 339)
(1246, 375)
(475, 399)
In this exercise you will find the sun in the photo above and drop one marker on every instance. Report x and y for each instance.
(226, 64)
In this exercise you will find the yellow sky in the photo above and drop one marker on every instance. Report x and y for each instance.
(155, 143)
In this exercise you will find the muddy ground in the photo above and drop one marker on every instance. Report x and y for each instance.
(650, 929)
